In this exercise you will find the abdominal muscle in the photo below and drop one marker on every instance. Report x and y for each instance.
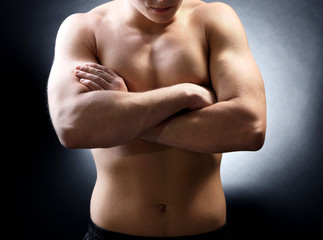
(147, 189)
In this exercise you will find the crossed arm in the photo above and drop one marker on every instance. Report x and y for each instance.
(84, 117)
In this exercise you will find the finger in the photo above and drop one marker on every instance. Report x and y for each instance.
(92, 77)
(98, 72)
(91, 85)
(101, 67)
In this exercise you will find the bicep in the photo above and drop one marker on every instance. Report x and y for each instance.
(233, 70)
(73, 47)
(236, 75)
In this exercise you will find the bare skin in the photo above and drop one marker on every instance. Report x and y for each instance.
(158, 94)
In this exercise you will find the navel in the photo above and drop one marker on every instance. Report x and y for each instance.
(162, 207)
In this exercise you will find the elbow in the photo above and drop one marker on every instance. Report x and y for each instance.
(255, 124)
(257, 136)
(69, 138)
(67, 122)
(252, 140)
(77, 137)
(68, 131)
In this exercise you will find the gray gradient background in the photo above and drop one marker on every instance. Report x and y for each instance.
(277, 191)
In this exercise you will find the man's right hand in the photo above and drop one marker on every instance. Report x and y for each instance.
(98, 77)
(201, 97)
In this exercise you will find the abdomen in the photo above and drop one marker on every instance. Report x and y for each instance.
(151, 190)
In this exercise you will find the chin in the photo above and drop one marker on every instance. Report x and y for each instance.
(161, 20)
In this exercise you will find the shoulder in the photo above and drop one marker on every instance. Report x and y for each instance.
(76, 26)
(217, 15)
(220, 23)
(76, 35)
(81, 27)
(215, 12)
(88, 21)
(80, 22)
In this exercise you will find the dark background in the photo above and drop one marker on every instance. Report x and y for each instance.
(277, 191)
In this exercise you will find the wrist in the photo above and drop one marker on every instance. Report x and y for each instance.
(181, 95)
(191, 94)
(187, 94)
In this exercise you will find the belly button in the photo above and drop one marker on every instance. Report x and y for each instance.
(162, 207)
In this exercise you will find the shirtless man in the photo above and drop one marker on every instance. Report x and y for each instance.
(158, 89)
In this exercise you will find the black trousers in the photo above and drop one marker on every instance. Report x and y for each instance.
(97, 233)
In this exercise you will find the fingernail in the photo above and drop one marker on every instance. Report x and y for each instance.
(77, 72)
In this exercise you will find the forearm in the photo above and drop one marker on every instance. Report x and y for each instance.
(223, 127)
(109, 118)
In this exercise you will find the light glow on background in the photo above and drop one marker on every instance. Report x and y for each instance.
(276, 190)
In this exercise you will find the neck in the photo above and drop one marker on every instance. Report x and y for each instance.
(136, 19)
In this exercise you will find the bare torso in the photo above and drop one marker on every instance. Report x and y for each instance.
(144, 188)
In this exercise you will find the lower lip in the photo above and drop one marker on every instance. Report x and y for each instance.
(161, 10)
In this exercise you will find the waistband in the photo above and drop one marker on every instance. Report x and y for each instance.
(97, 233)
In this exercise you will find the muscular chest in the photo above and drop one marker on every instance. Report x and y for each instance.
(147, 63)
